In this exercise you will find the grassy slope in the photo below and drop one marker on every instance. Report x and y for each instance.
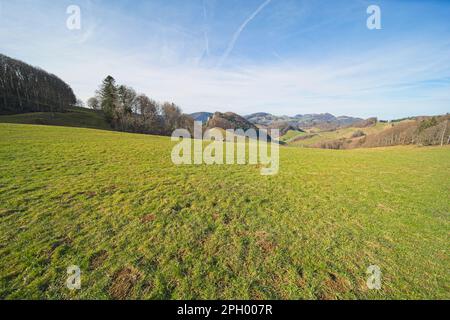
(75, 117)
(291, 134)
(141, 227)
(338, 134)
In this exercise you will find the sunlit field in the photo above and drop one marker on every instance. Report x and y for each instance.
(141, 227)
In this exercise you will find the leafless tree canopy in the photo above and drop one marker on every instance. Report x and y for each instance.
(24, 88)
(424, 131)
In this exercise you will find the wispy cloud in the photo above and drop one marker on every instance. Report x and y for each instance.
(238, 32)
(171, 53)
(355, 86)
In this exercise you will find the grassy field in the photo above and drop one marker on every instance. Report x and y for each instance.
(324, 136)
(140, 227)
(73, 117)
(291, 134)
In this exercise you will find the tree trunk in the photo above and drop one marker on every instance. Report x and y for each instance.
(443, 133)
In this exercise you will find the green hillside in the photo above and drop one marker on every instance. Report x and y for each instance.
(73, 117)
(140, 227)
(315, 137)
(292, 134)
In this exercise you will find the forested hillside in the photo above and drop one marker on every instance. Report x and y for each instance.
(423, 131)
(24, 88)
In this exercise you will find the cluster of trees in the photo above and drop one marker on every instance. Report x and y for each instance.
(365, 123)
(424, 131)
(24, 88)
(129, 111)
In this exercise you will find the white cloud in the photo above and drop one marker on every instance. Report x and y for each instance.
(238, 32)
(367, 84)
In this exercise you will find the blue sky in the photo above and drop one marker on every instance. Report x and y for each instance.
(279, 56)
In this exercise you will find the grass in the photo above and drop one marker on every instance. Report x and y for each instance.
(291, 134)
(74, 117)
(324, 136)
(142, 228)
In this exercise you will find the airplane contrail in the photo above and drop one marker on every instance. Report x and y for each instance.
(205, 32)
(239, 31)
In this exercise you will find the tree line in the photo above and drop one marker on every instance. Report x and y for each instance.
(24, 88)
(424, 131)
(128, 111)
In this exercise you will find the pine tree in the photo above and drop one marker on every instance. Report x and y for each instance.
(108, 97)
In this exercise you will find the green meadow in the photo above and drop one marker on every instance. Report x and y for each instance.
(72, 117)
(327, 136)
(140, 227)
(292, 134)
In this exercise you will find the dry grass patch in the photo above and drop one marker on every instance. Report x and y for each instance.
(97, 259)
(123, 282)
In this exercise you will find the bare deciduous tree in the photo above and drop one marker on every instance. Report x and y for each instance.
(128, 111)
(93, 103)
(24, 88)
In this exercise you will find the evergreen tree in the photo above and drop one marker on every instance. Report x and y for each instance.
(108, 97)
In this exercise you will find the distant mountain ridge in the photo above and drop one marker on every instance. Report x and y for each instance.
(201, 116)
(321, 120)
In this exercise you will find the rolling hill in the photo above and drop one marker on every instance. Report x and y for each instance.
(424, 131)
(201, 116)
(315, 137)
(229, 120)
(25, 88)
(73, 117)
